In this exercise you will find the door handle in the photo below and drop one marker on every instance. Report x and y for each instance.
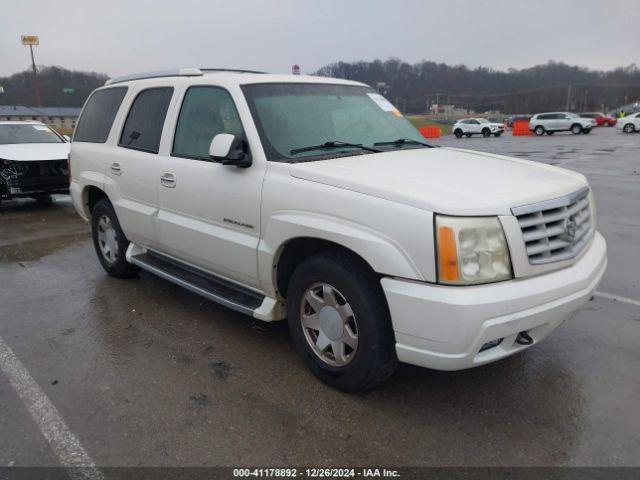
(168, 179)
(115, 168)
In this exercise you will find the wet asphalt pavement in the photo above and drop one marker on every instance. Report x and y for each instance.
(146, 373)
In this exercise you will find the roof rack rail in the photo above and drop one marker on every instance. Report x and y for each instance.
(185, 72)
(233, 70)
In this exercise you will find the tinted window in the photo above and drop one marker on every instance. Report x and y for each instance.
(143, 128)
(205, 112)
(98, 114)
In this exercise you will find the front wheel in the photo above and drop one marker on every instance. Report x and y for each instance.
(576, 129)
(486, 132)
(629, 128)
(110, 242)
(340, 323)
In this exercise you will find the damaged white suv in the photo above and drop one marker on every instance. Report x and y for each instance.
(313, 199)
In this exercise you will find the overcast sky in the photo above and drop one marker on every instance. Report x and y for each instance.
(124, 36)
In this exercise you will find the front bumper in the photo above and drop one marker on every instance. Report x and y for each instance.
(444, 327)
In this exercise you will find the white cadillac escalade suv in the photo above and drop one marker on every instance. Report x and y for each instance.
(313, 199)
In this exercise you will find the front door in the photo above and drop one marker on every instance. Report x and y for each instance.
(209, 213)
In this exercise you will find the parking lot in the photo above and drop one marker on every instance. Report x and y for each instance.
(146, 373)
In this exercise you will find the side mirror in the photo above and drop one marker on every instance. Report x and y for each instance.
(229, 150)
(66, 137)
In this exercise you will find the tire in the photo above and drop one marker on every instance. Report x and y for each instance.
(548, 132)
(362, 310)
(458, 133)
(486, 132)
(468, 135)
(539, 130)
(629, 128)
(586, 131)
(108, 236)
(576, 129)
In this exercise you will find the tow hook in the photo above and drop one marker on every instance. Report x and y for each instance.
(523, 338)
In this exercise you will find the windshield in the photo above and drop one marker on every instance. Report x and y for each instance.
(293, 116)
(28, 133)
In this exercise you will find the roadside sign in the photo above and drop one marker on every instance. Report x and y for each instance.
(68, 90)
(30, 40)
(1, 89)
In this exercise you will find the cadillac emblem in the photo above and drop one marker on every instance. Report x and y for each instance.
(570, 227)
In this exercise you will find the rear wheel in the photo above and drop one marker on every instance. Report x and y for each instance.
(576, 129)
(340, 323)
(629, 128)
(539, 130)
(486, 132)
(458, 133)
(110, 242)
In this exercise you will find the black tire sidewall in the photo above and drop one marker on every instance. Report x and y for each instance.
(375, 357)
(539, 131)
(120, 268)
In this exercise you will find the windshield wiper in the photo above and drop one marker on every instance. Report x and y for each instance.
(404, 141)
(333, 144)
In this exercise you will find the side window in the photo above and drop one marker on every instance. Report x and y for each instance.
(143, 127)
(205, 112)
(98, 114)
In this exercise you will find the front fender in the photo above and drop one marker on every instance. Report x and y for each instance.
(382, 253)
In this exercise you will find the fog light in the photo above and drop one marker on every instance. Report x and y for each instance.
(491, 344)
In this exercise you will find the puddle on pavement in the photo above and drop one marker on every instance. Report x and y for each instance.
(32, 250)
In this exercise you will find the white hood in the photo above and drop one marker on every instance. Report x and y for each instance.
(25, 152)
(445, 180)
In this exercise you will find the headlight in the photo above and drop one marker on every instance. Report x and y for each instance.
(471, 250)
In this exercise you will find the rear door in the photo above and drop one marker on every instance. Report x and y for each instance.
(210, 213)
(133, 168)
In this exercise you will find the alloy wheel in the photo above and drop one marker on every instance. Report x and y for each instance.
(107, 239)
(329, 324)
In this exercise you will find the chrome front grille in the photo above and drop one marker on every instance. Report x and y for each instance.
(557, 229)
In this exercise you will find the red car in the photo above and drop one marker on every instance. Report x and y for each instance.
(600, 118)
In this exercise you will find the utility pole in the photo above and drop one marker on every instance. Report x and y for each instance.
(32, 40)
(568, 105)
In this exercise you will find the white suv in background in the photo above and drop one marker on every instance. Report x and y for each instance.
(550, 123)
(376, 246)
(477, 126)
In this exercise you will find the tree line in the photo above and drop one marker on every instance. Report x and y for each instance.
(58, 87)
(552, 86)
(413, 88)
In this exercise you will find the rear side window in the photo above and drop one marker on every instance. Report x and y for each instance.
(98, 114)
(143, 127)
(206, 112)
